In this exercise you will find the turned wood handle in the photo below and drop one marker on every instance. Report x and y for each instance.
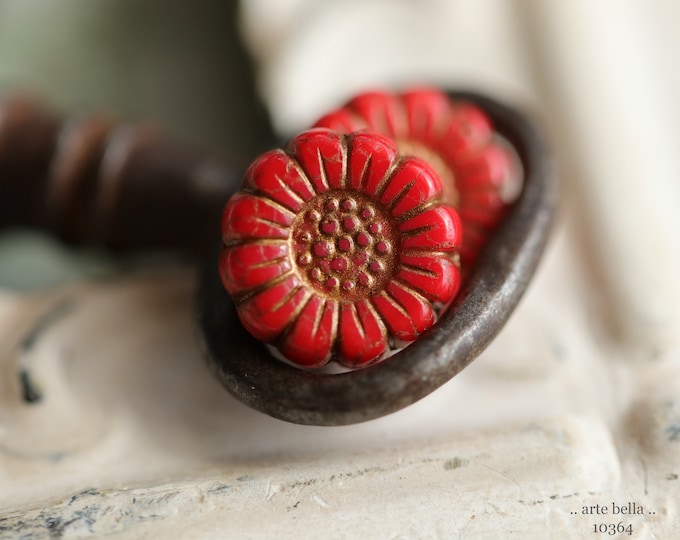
(91, 180)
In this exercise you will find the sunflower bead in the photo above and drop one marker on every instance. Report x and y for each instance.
(339, 248)
(480, 174)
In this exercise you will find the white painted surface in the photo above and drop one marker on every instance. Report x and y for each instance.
(576, 403)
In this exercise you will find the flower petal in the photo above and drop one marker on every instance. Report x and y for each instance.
(491, 167)
(485, 208)
(267, 314)
(250, 216)
(371, 159)
(310, 340)
(437, 228)
(406, 313)
(469, 130)
(322, 155)
(413, 184)
(428, 112)
(382, 111)
(363, 337)
(342, 120)
(436, 278)
(251, 265)
(475, 238)
(277, 175)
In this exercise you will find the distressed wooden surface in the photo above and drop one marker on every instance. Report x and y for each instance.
(577, 403)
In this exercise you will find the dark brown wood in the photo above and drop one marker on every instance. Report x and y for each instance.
(27, 141)
(93, 182)
(492, 290)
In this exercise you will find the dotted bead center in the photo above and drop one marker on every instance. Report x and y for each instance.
(344, 245)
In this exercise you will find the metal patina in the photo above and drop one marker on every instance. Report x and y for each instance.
(491, 291)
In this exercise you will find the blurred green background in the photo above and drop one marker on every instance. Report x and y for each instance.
(178, 64)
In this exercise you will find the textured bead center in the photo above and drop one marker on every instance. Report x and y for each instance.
(344, 245)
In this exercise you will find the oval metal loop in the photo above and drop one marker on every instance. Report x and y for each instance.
(491, 292)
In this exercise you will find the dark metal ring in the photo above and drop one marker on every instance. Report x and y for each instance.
(491, 291)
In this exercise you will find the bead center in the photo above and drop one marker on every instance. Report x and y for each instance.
(344, 245)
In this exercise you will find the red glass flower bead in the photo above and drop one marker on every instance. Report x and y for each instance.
(338, 248)
(479, 172)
